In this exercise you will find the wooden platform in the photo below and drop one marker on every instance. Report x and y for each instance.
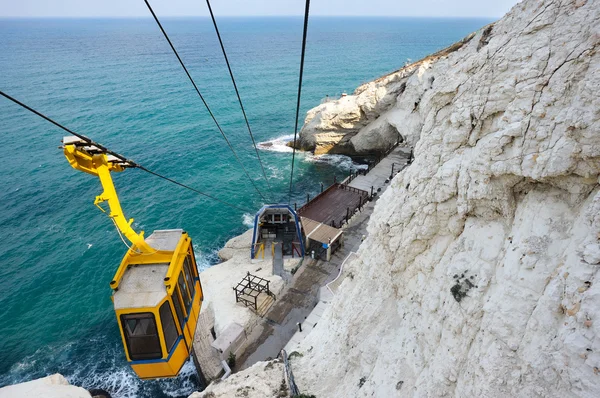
(330, 206)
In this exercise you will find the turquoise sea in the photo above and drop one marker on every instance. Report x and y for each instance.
(117, 81)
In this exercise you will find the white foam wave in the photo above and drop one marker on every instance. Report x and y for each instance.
(277, 173)
(108, 371)
(248, 220)
(278, 144)
(205, 258)
(121, 382)
(184, 383)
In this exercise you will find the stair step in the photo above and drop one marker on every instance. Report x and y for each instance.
(264, 306)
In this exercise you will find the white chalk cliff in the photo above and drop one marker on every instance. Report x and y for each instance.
(479, 277)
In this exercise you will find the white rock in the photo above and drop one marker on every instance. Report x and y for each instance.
(479, 277)
(53, 386)
(218, 282)
(263, 379)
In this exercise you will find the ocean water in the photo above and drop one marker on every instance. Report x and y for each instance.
(118, 82)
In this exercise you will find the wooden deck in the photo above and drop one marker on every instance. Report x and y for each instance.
(330, 206)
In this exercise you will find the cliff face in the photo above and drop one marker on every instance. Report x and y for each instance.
(364, 123)
(479, 274)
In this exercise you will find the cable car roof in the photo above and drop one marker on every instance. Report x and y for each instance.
(143, 284)
(165, 239)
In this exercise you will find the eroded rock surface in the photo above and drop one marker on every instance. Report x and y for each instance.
(479, 277)
(263, 379)
(360, 124)
(53, 386)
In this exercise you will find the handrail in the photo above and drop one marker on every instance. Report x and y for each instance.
(289, 376)
(344, 183)
(339, 273)
(355, 190)
(226, 369)
(261, 248)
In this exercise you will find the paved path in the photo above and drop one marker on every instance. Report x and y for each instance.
(378, 174)
(278, 259)
(299, 303)
(353, 233)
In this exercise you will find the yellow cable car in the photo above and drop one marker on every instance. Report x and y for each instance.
(157, 293)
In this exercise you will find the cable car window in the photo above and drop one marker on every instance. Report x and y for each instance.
(187, 267)
(185, 294)
(168, 325)
(141, 336)
(177, 305)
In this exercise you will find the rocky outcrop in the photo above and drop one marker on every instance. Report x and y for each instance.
(479, 277)
(53, 386)
(360, 124)
(266, 381)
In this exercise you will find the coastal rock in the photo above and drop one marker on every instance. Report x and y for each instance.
(479, 277)
(53, 386)
(360, 124)
(218, 286)
(263, 379)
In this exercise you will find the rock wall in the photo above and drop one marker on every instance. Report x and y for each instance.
(361, 124)
(479, 274)
(53, 386)
(266, 381)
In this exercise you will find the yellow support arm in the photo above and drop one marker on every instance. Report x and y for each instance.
(92, 161)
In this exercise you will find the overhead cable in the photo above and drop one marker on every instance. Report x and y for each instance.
(306, 12)
(238, 95)
(202, 98)
(117, 155)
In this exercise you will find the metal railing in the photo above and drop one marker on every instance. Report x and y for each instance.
(344, 184)
(353, 189)
(289, 376)
(249, 288)
(310, 202)
(258, 249)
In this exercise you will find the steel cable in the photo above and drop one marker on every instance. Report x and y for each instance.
(202, 98)
(117, 155)
(306, 12)
(238, 94)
